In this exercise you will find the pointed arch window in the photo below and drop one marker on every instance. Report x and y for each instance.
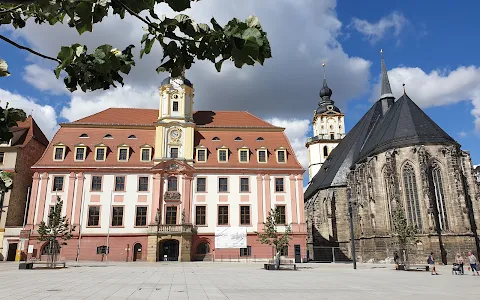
(388, 198)
(411, 196)
(325, 151)
(440, 197)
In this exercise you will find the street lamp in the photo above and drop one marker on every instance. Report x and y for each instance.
(351, 203)
(157, 219)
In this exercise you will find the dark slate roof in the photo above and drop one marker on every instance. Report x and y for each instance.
(335, 169)
(185, 81)
(404, 124)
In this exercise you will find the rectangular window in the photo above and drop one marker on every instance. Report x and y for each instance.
(58, 183)
(246, 251)
(223, 184)
(222, 155)
(93, 216)
(117, 216)
(262, 156)
(172, 184)
(59, 153)
(279, 185)
(2, 157)
(332, 136)
(145, 154)
(80, 154)
(143, 184)
(223, 215)
(96, 183)
(282, 217)
(175, 105)
(244, 155)
(171, 215)
(141, 216)
(100, 154)
(284, 251)
(202, 155)
(201, 184)
(120, 184)
(244, 187)
(244, 215)
(281, 156)
(200, 215)
(174, 152)
(123, 154)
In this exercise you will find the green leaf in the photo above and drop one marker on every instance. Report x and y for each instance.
(178, 5)
(84, 14)
(251, 33)
(252, 21)
(4, 68)
(216, 26)
(182, 18)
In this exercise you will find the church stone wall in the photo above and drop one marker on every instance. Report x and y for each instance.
(378, 186)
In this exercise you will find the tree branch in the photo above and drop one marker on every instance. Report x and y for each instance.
(18, 1)
(10, 9)
(28, 49)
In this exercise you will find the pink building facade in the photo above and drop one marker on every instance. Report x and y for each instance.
(157, 184)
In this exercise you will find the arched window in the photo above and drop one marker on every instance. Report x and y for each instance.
(84, 135)
(325, 151)
(260, 138)
(216, 138)
(440, 197)
(108, 136)
(238, 138)
(203, 248)
(132, 137)
(411, 195)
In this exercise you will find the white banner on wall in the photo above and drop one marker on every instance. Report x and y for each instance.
(231, 237)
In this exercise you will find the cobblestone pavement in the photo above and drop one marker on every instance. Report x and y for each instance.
(231, 281)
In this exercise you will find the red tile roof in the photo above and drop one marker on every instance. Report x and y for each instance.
(225, 125)
(25, 131)
(147, 117)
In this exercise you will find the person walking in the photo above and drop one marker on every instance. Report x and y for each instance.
(459, 262)
(431, 263)
(472, 259)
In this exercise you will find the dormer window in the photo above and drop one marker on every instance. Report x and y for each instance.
(132, 137)
(281, 155)
(84, 136)
(59, 152)
(216, 138)
(145, 152)
(100, 152)
(123, 152)
(108, 136)
(201, 154)
(260, 138)
(80, 152)
(238, 138)
(262, 155)
(223, 154)
(243, 154)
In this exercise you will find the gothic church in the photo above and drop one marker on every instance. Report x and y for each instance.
(395, 156)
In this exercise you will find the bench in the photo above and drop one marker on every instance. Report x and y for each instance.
(29, 264)
(419, 268)
(284, 263)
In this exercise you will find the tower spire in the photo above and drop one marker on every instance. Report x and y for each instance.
(386, 91)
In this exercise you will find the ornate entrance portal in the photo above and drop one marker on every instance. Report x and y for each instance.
(169, 250)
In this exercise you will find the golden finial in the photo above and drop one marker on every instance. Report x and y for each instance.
(404, 92)
(381, 52)
(324, 70)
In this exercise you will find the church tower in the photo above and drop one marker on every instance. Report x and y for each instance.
(328, 130)
(175, 125)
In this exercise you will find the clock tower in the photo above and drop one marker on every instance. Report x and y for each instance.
(175, 125)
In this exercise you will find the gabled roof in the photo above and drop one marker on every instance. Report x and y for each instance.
(25, 131)
(147, 117)
(335, 169)
(404, 124)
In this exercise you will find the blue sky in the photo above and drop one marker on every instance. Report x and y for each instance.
(430, 48)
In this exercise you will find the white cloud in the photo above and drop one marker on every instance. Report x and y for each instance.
(376, 31)
(44, 115)
(462, 134)
(437, 88)
(44, 80)
(296, 131)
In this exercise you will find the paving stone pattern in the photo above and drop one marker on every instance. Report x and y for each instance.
(231, 281)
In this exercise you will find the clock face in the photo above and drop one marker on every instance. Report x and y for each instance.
(174, 133)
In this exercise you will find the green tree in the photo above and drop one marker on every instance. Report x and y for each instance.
(57, 231)
(181, 38)
(271, 236)
(403, 233)
(9, 117)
